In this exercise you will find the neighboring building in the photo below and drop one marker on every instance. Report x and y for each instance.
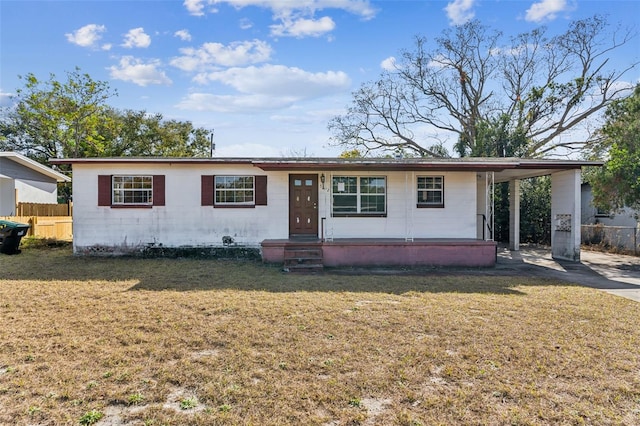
(25, 180)
(591, 215)
(618, 230)
(369, 211)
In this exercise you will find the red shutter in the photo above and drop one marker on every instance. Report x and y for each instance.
(158, 190)
(261, 190)
(206, 192)
(104, 190)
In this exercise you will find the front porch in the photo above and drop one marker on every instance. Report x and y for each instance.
(314, 254)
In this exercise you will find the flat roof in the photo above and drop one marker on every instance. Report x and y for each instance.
(505, 168)
(330, 163)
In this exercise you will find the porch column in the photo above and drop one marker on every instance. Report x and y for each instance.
(481, 206)
(514, 214)
(565, 215)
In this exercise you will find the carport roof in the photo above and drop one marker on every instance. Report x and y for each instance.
(505, 168)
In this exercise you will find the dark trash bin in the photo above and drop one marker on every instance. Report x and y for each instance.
(10, 235)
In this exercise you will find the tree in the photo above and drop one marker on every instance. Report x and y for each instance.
(352, 153)
(617, 184)
(535, 87)
(137, 133)
(72, 119)
(535, 210)
(53, 119)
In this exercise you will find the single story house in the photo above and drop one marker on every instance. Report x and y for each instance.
(315, 211)
(591, 215)
(25, 180)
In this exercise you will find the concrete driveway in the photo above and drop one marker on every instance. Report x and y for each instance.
(614, 273)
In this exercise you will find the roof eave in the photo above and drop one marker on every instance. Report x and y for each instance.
(34, 165)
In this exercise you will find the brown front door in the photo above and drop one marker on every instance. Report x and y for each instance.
(303, 206)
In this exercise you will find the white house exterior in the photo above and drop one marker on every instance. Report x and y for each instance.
(27, 181)
(591, 215)
(124, 205)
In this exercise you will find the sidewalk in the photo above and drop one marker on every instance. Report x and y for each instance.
(614, 273)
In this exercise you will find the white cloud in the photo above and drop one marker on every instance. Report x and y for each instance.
(545, 10)
(460, 11)
(216, 54)
(265, 88)
(357, 7)
(140, 73)
(5, 98)
(281, 81)
(303, 27)
(87, 36)
(246, 150)
(136, 38)
(183, 35)
(194, 7)
(246, 24)
(295, 18)
(388, 64)
(232, 103)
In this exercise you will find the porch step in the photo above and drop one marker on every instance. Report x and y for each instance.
(303, 259)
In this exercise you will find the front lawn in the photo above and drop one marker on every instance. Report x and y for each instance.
(123, 341)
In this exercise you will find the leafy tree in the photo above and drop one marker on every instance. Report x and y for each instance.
(72, 119)
(535, 210)
(352, 153)
(54, 119)
(617, 184)
(535, 87)
(137, 133)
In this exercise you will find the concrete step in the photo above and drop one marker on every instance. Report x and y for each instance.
(303, 259)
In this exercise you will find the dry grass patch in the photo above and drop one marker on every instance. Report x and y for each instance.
(171, 342)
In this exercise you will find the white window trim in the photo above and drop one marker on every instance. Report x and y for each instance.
(441, 190)
(125, 190)
(234, 203)
(359, 195)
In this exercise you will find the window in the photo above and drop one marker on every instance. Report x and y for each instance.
(359, 195)
(132, 190)
(234, 190)
(430, 191)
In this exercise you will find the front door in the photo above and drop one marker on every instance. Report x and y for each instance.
(303, 206)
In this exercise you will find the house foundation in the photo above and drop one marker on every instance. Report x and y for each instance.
(391, 252)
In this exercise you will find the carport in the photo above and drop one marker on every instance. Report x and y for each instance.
(565, 201)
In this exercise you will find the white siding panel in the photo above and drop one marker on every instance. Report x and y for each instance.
(37, 192)
(404, 220)
(184, 222)
(7, 197)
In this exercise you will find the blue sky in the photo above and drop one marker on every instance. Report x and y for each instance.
(266, 75)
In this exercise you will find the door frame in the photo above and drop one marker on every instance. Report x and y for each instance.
(313, 208)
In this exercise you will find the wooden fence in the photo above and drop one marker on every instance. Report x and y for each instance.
(41, 209)
(50, 227)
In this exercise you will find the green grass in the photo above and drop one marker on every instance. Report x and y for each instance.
(245, 343)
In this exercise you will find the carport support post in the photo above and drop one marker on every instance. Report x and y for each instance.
(565, 215)
(514, 214)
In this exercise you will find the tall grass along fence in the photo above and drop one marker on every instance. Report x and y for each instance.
(42, 209)
(624, 239)
(49, 227)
